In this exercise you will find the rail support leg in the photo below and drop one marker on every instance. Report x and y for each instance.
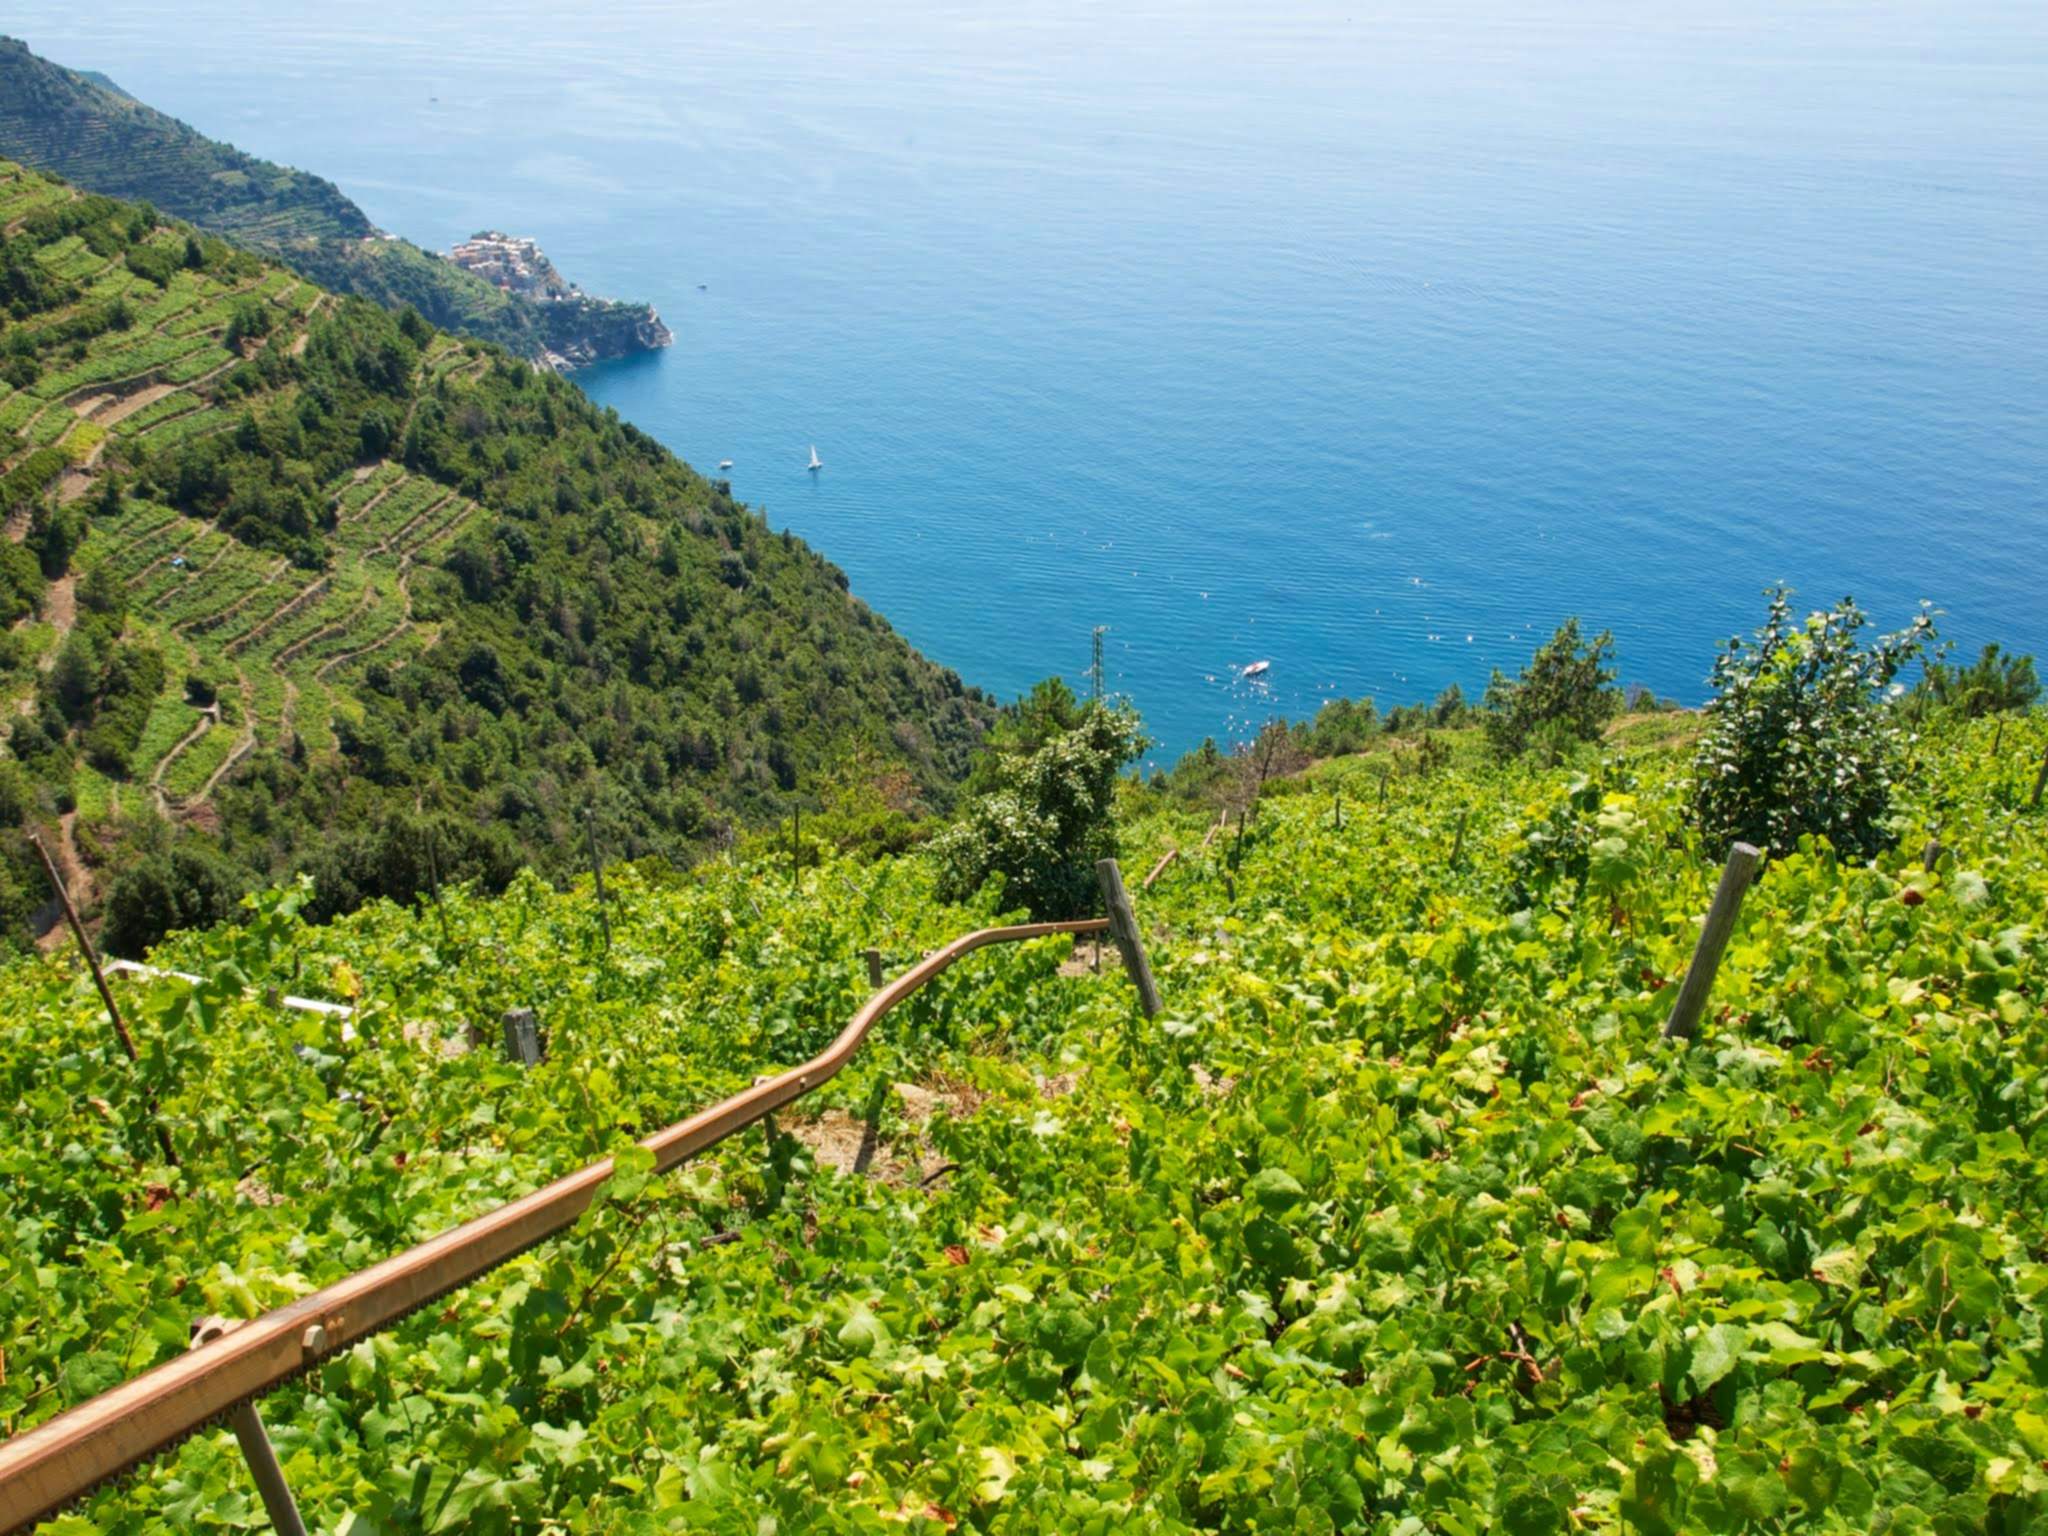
(1714, 933)
(256, 1449)
(1123, 927)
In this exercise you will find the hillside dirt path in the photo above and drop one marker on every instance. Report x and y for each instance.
(49, 917)
(208, 718)
(242, 748)
(78, 479)
(128, 405)
(61, 597)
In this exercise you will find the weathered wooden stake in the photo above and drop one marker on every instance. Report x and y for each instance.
(1165, 860)
(796, 844)
(1385, 774)
(1931, 854)
(1123, 927)
(99, 979)
(85, 948)
(1458, 842)
(2040, 781)
(256, 1449)
(604, 920)
(874, 959)
(1340, 810)
(1706, 956)
(522, 1037)
(1997, 738)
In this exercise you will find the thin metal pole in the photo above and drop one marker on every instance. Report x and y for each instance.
(597, 876)
(99, 979)
(1714, 933)
(1123, 927)
(256, 1448)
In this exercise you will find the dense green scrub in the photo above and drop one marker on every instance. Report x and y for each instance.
(1401, 1218)
(84, 129)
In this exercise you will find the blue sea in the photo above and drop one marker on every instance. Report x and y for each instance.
(1368, 340)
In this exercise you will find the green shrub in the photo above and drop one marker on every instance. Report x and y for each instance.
(1800, 738)
(1993, 684)
(188, 886)
(1568, 686)
(1342, 727)
(403, 856)
(1050, 816)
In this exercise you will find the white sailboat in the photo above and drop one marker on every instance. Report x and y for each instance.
(816, 462)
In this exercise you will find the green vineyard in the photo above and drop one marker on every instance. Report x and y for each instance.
(277, 641)
(1400, 1217)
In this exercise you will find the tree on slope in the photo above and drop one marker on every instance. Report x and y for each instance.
(1046, 817)
(1801, 736)
(1564, 695)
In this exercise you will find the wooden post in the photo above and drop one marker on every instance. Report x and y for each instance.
(434, 886)
(874, 959)
(1706, 956)
(796, 844)
(522, 1037)
(1123, 927)
(99, 979)
(1998, 738)
(597, 876)
(1165, 861)
(1458, 842)
(1931, 854)
(2040, 782)
(1340, 810)
(256, 1449)
(1385, 774)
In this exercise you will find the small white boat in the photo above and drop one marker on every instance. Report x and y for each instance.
(1257, 669)
(816, 462)
(725, 463)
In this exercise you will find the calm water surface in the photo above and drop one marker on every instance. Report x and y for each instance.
(1367, 340)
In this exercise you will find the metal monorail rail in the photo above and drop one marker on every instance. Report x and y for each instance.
(49, 1466)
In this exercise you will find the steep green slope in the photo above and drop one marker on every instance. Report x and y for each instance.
(296, 571)
(1400, 1218)
(83, 128)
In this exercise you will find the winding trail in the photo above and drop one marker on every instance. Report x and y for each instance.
(156, 775)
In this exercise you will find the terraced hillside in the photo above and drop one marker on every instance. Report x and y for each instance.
(92, 133)
(51, 116)
(281, 568)
(1400, 1218)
